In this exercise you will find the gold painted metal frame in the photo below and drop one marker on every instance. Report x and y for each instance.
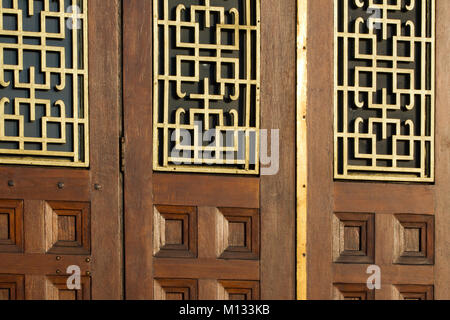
(374, 172)
(46, 157)
(302, 150)
(217, 164)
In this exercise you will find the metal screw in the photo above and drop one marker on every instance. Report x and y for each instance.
(60, 185)
(97, 187)
(88, 273)
(88, 260)
(11, 183)
(58, 258)
(58, 271)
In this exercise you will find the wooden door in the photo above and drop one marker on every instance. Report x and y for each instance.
(386, 205)
(200, 231)
(59, 154)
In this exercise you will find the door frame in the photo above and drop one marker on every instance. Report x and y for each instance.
(321, 185)
(278, 91)
(69, 188)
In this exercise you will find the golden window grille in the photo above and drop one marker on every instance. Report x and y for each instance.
(206, 80)
(44, 83)
(384, 90)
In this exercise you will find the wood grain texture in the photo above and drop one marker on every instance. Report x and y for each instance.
(34, 218)
(36, 287)
(207, 268)
(138, 178)
(26, 180)
(442, 196)
(384, 197)
(278, 192)
(105, 102)
(320, 148)
(207, 190)
(391, 274)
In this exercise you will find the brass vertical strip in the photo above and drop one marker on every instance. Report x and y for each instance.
(302, 160)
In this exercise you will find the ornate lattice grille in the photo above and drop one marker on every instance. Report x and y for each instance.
(384, 90)
(44, 82)
(206, 85)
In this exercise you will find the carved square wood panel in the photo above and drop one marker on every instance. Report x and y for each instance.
(414, 239)
(57, 289)
(67, 227)
(175, 289)
(175, 232)
(237, 233)
(238, 290)
(12, 287)
(354, 237)
(11, 225)
(353, 291)
(413, 292)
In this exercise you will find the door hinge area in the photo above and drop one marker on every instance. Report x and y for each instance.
(122, 154)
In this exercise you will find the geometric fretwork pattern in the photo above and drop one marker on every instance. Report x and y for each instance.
(44, 82)
(206, 85)
(384, 90)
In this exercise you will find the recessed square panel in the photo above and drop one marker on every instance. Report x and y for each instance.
(238, 290)
(57, 289)
(413, 292)
(67, 226)
(175, 231)
(11, 225)
(175, 289)
(12, 287)
(237, 233)
(353, 291)
(4, 226)
(353, 237)
(414, 239)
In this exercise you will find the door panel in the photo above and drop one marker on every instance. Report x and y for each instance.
(383, 219)
(215, 234)
(53, 218)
